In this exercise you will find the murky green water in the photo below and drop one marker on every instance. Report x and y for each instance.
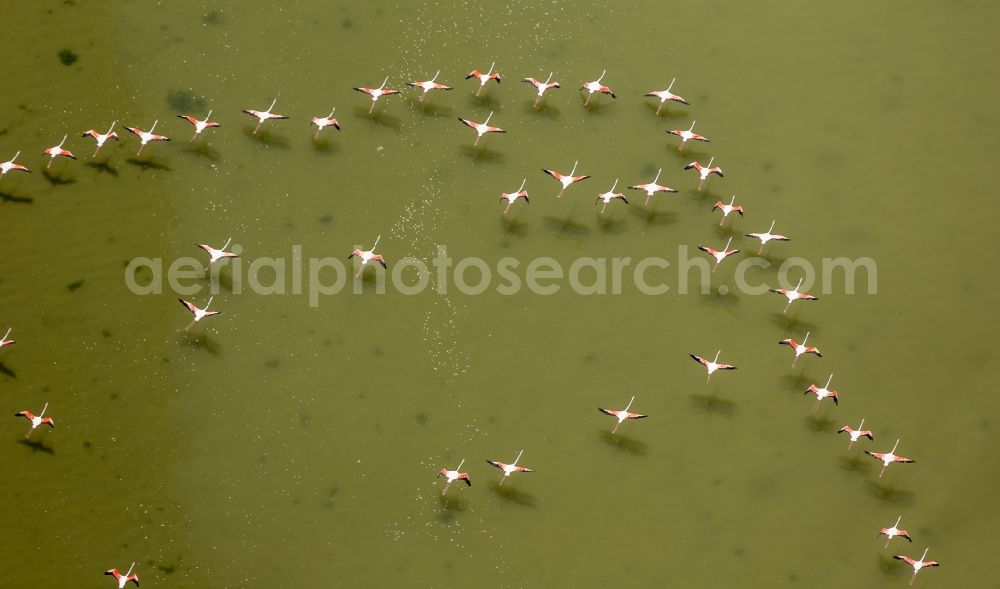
(280, 444)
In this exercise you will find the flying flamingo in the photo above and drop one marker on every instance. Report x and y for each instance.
(704, 171)
(917, 564)
(217, 254)
(36, 420)
(596, 86)
(712, 365)
(428, 85)
(767, 236)
(665, 95)
(146, 136)
(888, 458)
(10, 165)
(454, 475)
(56, 151)
(894, 531)
(509, 468)
(609, 196)
(511, 197)
(201, 125)
(856, 434)
(368, 255)
(727, 208)
(800, 348)
(484, 78)
(719, 255)
(822, 393)
(621, 414)
(652, 188)
(541, 87)
(686, 135)
(565, 179)
(6, 342)
(481, 128)
(794, 295)
(199, 314)
(375, 93)
(262, 116)
(100, 138)
(323, 122)
(123, 579)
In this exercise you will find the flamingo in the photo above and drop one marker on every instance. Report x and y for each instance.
(800, 348)
(123, 579)
(263, 116)
(596, 86)
(368, 255)
(621, 414)
(484, 78)
(822, 393)
(375, 93)
(509, 468)
(719, 255)
(713, 365)
(201, 125)
(728, 208)
(794, 295)
(511, 197)
(888, 458)
(217, 254)
(917, 564)
(10, 165)
(565, 179)
(454, 475)
(6, 342)
(665, 95)
(429, 85)
(324, 122)
(767, 236)
(894, 531)
(481, 128)
(199, 314)
(100, 138)
(856, 434)
(541, 87)
(56, 151)
(652, 188)
(704, 171)
(686, 135)
(609, 196)
(36, 420)
(146, 136)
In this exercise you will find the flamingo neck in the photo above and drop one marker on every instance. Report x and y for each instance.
(671, 84)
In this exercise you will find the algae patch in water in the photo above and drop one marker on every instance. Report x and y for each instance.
(67, 57)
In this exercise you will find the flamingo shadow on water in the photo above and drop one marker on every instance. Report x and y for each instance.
(38, 446)
(202, 341)
(325, 147)
(481, 153)
(566, 225)
(203, 149)
(266, 138)
(512, 226)
(729, 299)
(148, 164)
(624, 443)
(609, 225)
(726, 231)
(378, 118)
(792, 323)
(451, 506)
(890, 567)
(7, 371)
(858, 463)
(103, 166)
(484, 101)
(819, 423)
(431, 110)
(11, 198)
(513, 494)
(889, 493)
(713, 404)
(652, 216)
(544, 110)
(666, 113)
(55, 180)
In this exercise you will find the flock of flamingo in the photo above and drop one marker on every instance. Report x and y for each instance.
(565, 181)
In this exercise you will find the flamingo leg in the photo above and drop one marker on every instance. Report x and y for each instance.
(257, 128)
(887, 542)
(882, 471)
(445, 490)
(502, 479)
(477, 94)
(786, 307)
(588, 99)
(615, 429)
(658, 108)
(816, 405)
(537, 100)
(371, 108)
(316, 136)
(138, 153)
